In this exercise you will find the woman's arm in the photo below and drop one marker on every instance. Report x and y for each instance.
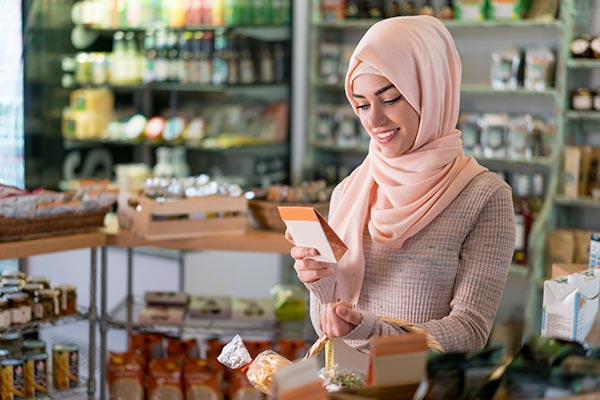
(482, 272)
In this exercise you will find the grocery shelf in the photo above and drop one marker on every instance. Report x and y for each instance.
(582, 202)
(268, 32)
(270, 147)
(535, 163)
(583, 63)
(117, 318)
(358, 150)
(583, 115)
(528, 24)
(33, 326)
(468, 89)
(197, 88)
(75, 393)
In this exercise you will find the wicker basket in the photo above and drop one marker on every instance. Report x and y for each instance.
(14, 229)
(267, 216)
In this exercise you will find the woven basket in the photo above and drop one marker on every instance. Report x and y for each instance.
(14, 229)
(267, 216)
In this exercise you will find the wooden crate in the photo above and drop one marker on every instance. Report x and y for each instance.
(185, 218)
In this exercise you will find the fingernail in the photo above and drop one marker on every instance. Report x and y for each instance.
(314, 252)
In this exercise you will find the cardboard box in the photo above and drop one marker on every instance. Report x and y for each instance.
(180, 219)
(570, 306)
(559, 270)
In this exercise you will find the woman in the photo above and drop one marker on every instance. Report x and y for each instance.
(430, 232)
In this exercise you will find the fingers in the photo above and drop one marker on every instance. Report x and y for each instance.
(298, 252)
(339, 319)
(309, 271)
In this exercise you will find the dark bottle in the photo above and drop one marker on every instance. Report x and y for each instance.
(219, 63)
(375, 9)
(247, 67)
(205, 58)
(161, 65)
(265, 63)
(232, 58)
(522, 219)
(186, 61)
(279, 63)
(446, 11)
(426, 9)
(352, 10)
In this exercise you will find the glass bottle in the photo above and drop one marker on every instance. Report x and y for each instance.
(205, 57)
(247, 74)
(522, 218)
(161, 66)
(536, 200)
(186, 62)
(150, 57)
(219, 64)
(173, 57)
(164, 163)
(231, 56)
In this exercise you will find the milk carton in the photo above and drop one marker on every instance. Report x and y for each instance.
(570, 305)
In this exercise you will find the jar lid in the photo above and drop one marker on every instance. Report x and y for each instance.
(65, 347)
(13, 275)
(67, 287)
(36, 356)
(12, 282)
(32, 287)
(9, 290)
(47, 293)
(38, 279)
(10, 336)
(3, 300)
(17, 297)
(33, 344)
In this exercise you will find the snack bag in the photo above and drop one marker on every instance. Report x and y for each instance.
(201, 380)
(165, 380)
(125, 376)
(259, 370)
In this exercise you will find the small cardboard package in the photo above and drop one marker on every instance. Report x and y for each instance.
(570, 306)
(560, 269)
(398, 360)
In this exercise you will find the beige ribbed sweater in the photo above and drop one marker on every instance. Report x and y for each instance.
(448, 278)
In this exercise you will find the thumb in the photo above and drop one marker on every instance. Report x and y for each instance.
(349, 315)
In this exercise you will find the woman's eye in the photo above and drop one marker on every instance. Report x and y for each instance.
(362, 106)
(392, 101)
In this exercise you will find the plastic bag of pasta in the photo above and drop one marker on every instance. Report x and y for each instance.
(259, 370)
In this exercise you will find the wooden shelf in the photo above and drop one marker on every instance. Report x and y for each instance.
(583, 63)
(26, 248)
(582, 202)
(254, 240)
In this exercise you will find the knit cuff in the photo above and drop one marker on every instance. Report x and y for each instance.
(322, 289)
(365, 329)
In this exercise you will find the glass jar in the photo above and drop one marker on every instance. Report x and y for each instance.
(582, 100)
(12, 343)
(13, 275)
(33, 347)
(4, 313)
(18, 283)
(41, 280)
(20, 309)
(4, 354)
(5, 291)
(31, 290)
(67, 299)
(46, 304)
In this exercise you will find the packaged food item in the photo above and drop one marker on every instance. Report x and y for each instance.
(470, 10)
(201, 380)
(539, 68)
(240, 387)
(580, 46)
(12, 343)
(165, 379)
(13, 382)
(35, 374)
(520, 132)
(4, 313)
(67, 299)
(186, 348)
(148, 345)
(470, 127)
(494, 129)
(290, 302)
(65, 366)
(41, 280)
(33, 347)
(292, 349)
(505, 69)
(46, 304)
(210, 307)
(20, 309)
(582, 99)
(506, 9)
(594, 250)
(125, 375)
(260, 370)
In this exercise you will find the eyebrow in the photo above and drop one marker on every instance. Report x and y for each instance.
(377, 92)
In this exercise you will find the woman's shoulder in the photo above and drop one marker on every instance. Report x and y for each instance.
(485, 186)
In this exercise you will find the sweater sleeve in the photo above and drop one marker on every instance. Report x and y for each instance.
(485, 257)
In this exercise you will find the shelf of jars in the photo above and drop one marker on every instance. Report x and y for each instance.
(582, 202)
(366, 23)
(118, 318)
(33, 326)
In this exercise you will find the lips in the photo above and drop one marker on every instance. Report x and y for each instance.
(386, 136)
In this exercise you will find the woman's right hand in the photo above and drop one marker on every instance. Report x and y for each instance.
(307, 269)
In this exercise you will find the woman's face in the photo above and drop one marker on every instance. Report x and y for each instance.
(385, 114)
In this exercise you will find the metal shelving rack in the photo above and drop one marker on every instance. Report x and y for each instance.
(27, 248)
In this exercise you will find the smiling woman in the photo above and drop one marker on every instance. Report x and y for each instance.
(430, 233)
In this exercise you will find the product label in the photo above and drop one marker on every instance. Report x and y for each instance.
(21, 315)
(594, 253)
(4, 319)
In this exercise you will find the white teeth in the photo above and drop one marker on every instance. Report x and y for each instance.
(386, 134)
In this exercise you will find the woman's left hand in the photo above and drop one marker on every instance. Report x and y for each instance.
(339, 319)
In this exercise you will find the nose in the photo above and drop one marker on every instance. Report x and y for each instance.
(376, 116)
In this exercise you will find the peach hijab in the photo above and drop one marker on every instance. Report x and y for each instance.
(397, 197)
